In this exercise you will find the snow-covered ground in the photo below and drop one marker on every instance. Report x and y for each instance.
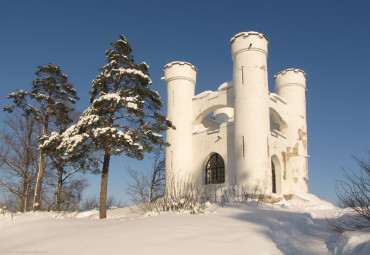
(297, 226)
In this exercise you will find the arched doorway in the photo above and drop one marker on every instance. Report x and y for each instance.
(215, 169)
(275, 175)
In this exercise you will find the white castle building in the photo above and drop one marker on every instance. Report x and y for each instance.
(254, 137)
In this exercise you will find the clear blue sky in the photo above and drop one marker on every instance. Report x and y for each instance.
(329, 40)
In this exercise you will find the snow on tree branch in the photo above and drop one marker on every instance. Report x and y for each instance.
(129, 71)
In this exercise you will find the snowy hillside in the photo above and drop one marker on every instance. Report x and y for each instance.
(297, 226)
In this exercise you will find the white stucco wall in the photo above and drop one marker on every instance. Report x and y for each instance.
(211, 141)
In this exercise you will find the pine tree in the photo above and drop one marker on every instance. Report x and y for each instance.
(84, 160)
(124, 114)
(48, 101)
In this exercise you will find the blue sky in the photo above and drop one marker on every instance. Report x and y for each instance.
(329, 40)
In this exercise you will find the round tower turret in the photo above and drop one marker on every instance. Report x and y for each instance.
(180, 78)
(290, 84)
(248, 41)
(251, 113)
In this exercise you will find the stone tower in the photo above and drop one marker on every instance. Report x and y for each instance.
(254, 138)
(180, 78)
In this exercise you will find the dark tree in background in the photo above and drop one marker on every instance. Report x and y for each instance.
(48, 102)
(124, 114)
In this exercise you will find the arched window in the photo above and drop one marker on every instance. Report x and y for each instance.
(215, 170)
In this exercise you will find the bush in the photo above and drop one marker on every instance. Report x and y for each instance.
(177, 196)
(184, 195)
(354, 193)
(91, 203)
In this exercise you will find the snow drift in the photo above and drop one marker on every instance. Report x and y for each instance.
(297, 226)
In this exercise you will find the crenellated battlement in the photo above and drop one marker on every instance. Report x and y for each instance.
(290, 77)
(179, 63)
(179, 70)
(296, 71)
(246, 34)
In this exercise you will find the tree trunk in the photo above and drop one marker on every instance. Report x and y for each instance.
(152, 187)
(26, 200)
(27, 172)
(25, 186)
(104, 184)
(59, 189)
(40, 176)
(42, 164)
(150, 193)
(23, 202)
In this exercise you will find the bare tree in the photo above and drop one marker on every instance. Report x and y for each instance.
(8, 201)
(69, 196)
(19, 158)
(138, 187)
(147, 186)
(69, 189)
(354, 193)
(157, 182)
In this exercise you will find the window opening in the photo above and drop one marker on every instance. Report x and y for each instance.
(242, 75)
(243, 146)
(215, 170)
